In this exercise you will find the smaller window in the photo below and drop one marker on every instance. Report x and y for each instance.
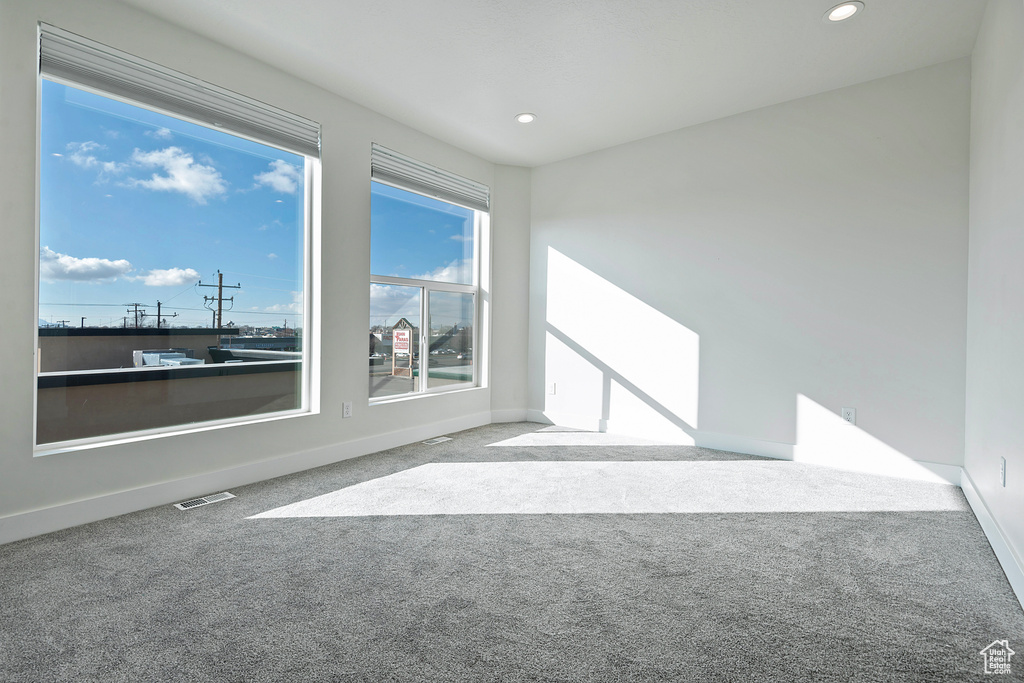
(424, 286)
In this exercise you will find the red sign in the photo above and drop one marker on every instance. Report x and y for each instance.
(401, 341)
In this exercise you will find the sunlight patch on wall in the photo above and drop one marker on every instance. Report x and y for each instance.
(653, 360)
(574, 387)
(645, 487)
(630, 414)
(824, 438)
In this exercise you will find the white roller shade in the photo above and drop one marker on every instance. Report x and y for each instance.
(80, 61)
(398, 170)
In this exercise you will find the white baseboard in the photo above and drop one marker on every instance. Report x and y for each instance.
(951, 474)
(744, 444)
(510, 415)
(538, 416)
(785, 451)
(587, 423)
(45, 520)
(1012, 565)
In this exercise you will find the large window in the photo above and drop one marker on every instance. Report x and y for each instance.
(174, 258)
(424, 287)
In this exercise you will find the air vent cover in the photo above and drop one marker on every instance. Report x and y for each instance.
(205, 500)
(440, 439)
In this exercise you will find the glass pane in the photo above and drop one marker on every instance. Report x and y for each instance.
(166, 248)
(394, 340)
(417, 237)
(451, 339)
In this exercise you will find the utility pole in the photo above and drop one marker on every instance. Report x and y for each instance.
(135, 309)
(220, 297)
(62, 323)
(159, 319)
(83, 321)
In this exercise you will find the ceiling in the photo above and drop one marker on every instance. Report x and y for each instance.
(596, 72)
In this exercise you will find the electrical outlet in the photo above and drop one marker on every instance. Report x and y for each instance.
(850, 415)
(551, 389)
(346, 409)
(1002, 471)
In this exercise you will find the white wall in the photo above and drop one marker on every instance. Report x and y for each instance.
(995, 322)
(510, 249)
(737, 283)
(162, 470)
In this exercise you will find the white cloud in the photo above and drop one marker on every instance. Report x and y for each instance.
(459, 270)
(160, 133)
(460, 238)
(282, 177)
(80, 153)
(184, 175)
(294, 307)
(389, 304)
(56, 266)
(271, 256)
(171, 277)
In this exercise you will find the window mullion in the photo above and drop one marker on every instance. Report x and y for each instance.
(424, 334)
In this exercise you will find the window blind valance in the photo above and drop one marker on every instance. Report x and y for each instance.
(79, 61)
(392, 168)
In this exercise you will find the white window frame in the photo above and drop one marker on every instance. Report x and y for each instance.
(480, 221)
(230, 112)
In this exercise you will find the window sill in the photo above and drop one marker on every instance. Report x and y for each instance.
(418, 395)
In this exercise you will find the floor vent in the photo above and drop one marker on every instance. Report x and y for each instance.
(205, 500)
(440, 439)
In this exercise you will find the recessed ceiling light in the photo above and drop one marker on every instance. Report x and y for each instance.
(526, 117)
(844, 11)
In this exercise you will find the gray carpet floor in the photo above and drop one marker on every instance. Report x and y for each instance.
(881, 580)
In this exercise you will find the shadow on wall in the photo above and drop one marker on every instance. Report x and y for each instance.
(616, 357)
(613, 363)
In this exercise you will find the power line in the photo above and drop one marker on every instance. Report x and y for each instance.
(169, 308)
(190, 287)
(276, 313)
(265, 277)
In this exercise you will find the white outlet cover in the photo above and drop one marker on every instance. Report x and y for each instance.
(850, 415)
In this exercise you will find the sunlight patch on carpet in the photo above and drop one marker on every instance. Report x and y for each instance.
(645, 487)
(574, 438)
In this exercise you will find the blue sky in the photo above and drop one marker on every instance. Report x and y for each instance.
(423, 238)
(419, 237)
(136, 206)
